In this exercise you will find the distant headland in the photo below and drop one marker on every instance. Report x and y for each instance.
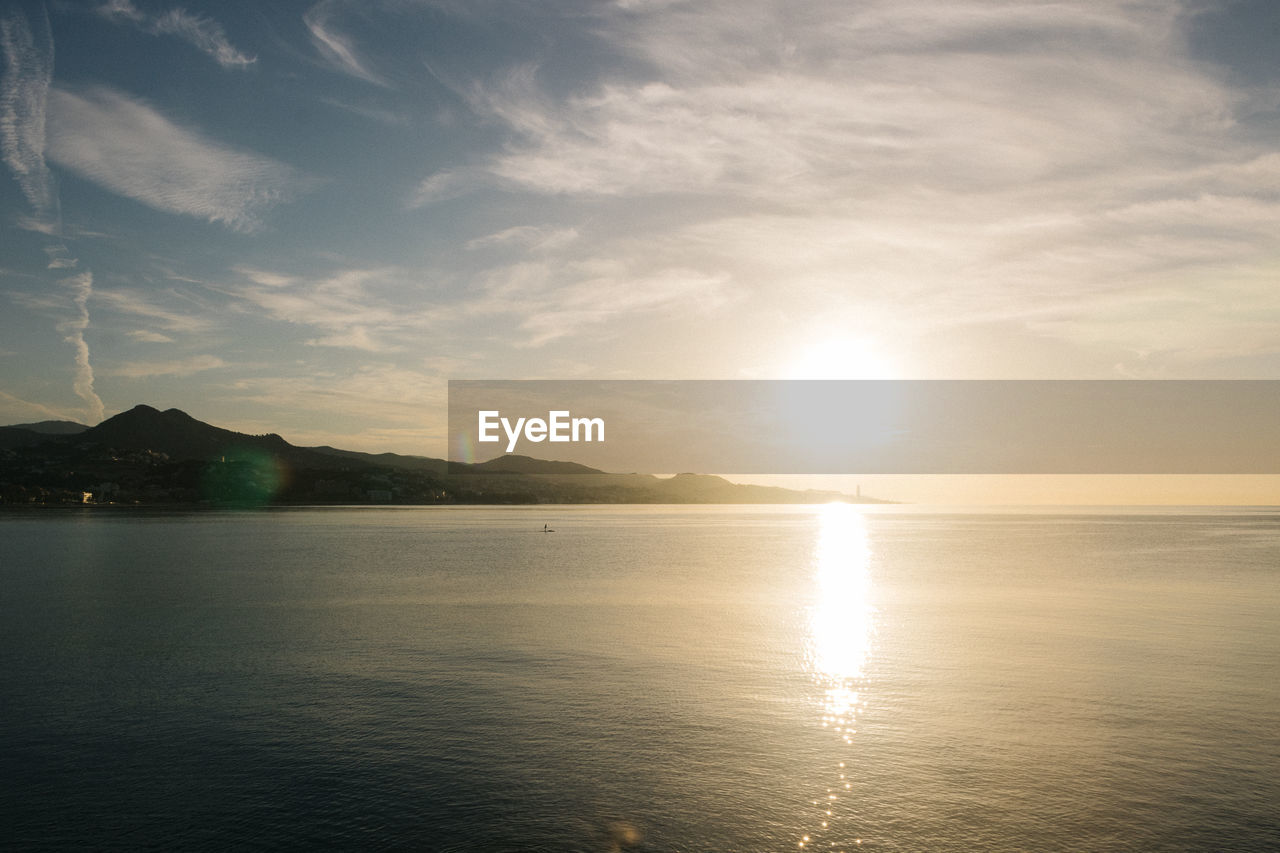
(149, 457)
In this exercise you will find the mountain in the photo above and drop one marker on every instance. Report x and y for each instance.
(149, 456)
(26, 435)
(423, 464)
(516, 464)
(52, 427)
(15, 436)
(176, 434)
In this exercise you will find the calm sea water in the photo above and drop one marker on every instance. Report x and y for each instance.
(657, 679)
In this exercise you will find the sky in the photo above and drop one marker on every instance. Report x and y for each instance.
(306, 217)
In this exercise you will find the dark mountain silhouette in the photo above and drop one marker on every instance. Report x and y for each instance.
(177, 434)
(516, 464)
(13, 437)
(52, 427)
(424, 464)
(146, 455)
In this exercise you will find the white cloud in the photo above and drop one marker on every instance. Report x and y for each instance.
(206, 34)
(129, 148)
(547, 301)
(59, 257)
(81, 288)
(137, 304)
(389, 117)
(349, 307)
(443, 186)
(527, 236)
(172, 367)
(121, 9)
(24, 93)
(928, 164)
(356, 337)
(147, 336)
(599, 300)
(16, 410)
(334, 45)
(399, 400)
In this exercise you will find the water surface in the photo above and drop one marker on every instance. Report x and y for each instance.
(692, 678)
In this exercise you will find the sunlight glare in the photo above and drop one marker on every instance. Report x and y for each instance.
(842, 620)
(840, 358)
(841, 629)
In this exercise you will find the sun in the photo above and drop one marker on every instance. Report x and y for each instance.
(840, 358)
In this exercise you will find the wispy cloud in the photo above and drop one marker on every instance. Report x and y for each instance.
(60, 258)
(401, 401)
(81, 288)
(334, 45)
(389, 117)
(172, 367)
(527, 237)
(137, 304)
(828, 99)
(17, 409)
(445, 185)
(24, 93)
(610, 295)
(939, 163)
(130, 148)
(557, 298)
(344, 306)
(147, 336)
(525, 303)
(206, 34)
(24, 98)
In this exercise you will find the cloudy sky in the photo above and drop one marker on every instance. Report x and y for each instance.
(306, 217)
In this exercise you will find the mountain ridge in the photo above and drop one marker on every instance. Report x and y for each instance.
(146, 455)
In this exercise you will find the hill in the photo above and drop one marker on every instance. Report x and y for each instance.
(149, 456)
(52, 427)
(175, 433)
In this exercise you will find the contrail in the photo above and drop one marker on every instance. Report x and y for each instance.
(81, 287)
(24, 96)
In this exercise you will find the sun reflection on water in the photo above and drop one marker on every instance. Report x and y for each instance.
(841, 631)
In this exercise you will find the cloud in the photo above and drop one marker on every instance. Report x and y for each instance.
(951, 96)
(81, 288)
(356, 337)
(59, 257)
(396, 398)
(147, 336)
(349, 307)
(608, 296)
(389, 117)
(16, 409)
(135, 303)
(122, 9)
(175, 367)
(126, 146)
(334, 45)
(921, 165)
(206, 34)
(24, 93)
(548, 301)
(445, 185)
(528, 237)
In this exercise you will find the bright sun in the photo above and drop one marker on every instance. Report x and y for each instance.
(840, 358)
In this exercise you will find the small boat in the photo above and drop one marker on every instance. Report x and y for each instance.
(547, 529)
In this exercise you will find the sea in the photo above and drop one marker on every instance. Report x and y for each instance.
(752, 679)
